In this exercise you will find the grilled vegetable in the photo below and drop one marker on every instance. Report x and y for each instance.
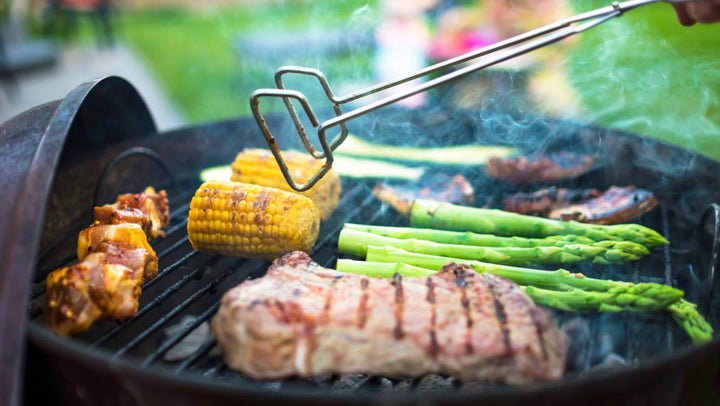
(623, 296)
(658, 296)
(251, 221)
(558, 289)
(686, 315)
(259, 167)
(485, 240)
(469, 154)
(603, 252)
(344, 166)
(430, 214)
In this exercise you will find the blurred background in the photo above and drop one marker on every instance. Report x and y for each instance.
(199, 61)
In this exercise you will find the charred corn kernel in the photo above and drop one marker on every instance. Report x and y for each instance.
(258, 166)
(251, 221)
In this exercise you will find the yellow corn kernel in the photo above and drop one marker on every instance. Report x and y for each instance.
(258, 166)
(251, 221)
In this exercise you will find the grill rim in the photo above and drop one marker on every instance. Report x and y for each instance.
(59, 348)
(595, 382)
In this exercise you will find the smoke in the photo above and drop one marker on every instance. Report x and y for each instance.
(646, 74)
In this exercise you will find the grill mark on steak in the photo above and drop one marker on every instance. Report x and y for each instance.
(328, 302)
(539, 329)
(434, 348)
(362, 306)
(501, 317)
(461, 283)
(308, 334)
(399, 305)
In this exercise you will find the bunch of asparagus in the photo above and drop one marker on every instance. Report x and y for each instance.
(414, 251)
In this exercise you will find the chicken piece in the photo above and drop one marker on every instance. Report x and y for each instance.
(456, 190)
(617, 205)
(148, 209)
(124, 244)
(110, 214)
(80, 294)
(539, 167)
(540, 203)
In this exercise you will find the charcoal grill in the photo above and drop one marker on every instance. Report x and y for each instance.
(63, 157)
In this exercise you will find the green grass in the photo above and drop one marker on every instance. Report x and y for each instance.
(195, 59)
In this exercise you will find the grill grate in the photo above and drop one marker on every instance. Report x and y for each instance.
(192, 283)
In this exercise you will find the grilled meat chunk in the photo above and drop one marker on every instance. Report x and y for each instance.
(115, 257)
(541, 202)
(303, 319)
(80, 294)
(124, 244)
(148, 209)
(537, 168)
(456, 190)
(617, 205)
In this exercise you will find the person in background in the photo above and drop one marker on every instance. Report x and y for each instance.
(535, 81)
(402, 39)
(704, 11)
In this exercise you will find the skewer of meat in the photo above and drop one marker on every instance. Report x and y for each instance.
(114, 259)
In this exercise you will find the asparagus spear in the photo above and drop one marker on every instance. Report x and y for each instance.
(355, 242)
(686, 314)
(614, 299)
(431, 214)
(468, 238)
(490, 240)
(619, 295)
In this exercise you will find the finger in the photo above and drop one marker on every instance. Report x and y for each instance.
(682, 15)
(704, 11)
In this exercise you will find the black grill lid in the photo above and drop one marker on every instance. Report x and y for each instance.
(30, 149)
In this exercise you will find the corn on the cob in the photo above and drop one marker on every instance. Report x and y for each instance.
(251, 221)
(258, 166)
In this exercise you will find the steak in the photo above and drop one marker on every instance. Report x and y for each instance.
(301, 319)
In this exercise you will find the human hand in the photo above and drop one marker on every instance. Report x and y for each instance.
(701, 11)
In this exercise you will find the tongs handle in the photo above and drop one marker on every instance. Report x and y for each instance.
(503, 51)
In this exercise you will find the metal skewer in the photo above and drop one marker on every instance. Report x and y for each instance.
(501, 51)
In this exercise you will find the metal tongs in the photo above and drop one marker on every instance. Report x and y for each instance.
(501, 51)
